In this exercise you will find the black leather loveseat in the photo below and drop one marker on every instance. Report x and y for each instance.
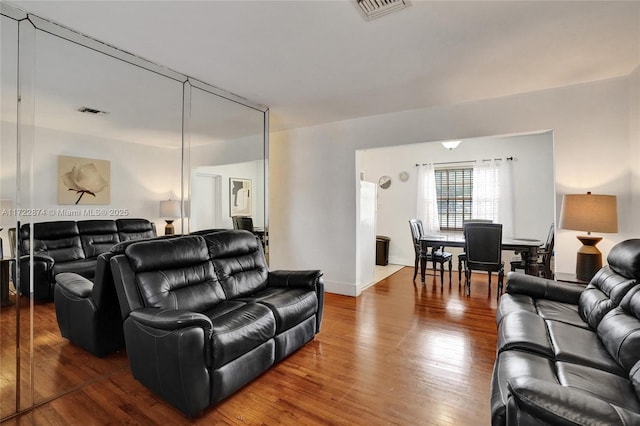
(71, 246)
(203, 315)
(570, 355)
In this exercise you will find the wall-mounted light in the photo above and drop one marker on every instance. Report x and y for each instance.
(169, 210)
(451, 145)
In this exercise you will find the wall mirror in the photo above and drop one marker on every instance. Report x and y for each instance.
(155, 128)
(227, 160)
(8, 179)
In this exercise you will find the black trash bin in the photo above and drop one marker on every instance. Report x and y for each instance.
(382, 250)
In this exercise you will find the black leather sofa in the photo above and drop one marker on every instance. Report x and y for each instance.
(569, 354)
(87, 311)
(70, 246)
(203, 315)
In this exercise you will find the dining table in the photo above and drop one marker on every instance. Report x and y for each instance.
(526, 247)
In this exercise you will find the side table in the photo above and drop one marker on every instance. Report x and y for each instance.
(5, 265)
(569, 278)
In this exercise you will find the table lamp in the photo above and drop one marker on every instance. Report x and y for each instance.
(591, 213)
(169, 210)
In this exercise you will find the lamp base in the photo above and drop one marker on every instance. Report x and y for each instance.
(169, 229)
(589, 260)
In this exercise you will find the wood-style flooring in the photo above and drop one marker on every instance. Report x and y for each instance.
(401, 353)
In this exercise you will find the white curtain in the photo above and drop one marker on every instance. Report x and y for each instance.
(492, 194)
(427, 203)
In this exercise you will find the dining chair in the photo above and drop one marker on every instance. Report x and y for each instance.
(483, 246)
(422, 256)
(246, 223)
(542, 265)
(462, 257)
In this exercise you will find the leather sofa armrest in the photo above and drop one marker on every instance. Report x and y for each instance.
(42, 258)
(551, 403)
(295, 279)
(172, 319)
(542, 288)
(74, 284)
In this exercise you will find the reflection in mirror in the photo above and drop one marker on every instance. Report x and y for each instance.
(92, 108)
(8, 174)
(137, 117)
(227, 161)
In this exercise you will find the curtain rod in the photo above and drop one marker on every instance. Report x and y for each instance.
(467, 161)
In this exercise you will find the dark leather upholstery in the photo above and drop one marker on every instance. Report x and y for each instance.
(88, 313)
(69, 246)
(203, 315)
(570, 354)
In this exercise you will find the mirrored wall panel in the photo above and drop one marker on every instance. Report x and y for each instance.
(227, 162)
(92, 135)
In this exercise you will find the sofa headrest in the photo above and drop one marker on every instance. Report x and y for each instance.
(624, 258)
(50, 230)
(96, 227)
(120, 247)
(169, 253)
(133, 225)
(231, 243)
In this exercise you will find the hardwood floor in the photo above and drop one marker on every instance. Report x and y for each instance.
(398, 354)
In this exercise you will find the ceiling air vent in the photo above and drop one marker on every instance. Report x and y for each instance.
(91, 110)
(376, 8)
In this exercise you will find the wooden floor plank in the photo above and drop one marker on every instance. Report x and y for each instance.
(401, 353)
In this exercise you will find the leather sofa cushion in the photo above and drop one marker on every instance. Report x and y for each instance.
(239, 262)
(513, 302)
(619, 331)
(613, 388)
(581, 346)
(97, 236)
(175, 273)
(558, 311)
(604, 292)
(135, 229)
(238, 330)
(289, 306)
(624, 258)
(82, 267)
(525, 331)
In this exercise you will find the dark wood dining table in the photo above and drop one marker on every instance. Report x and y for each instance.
(526, 247)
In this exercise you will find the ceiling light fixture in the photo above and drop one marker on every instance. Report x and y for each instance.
(376, 8)
(451, 145)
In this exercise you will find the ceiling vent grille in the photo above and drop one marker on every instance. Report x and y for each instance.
(376, 8)
(91, 110)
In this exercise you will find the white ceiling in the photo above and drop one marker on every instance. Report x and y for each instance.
(314, 62)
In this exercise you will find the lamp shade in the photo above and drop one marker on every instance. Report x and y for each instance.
(170, 209)
(589, 212)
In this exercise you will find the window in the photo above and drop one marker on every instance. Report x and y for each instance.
(454, 188)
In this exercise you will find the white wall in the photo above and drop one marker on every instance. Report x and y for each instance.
(313, 170)
(533, 184)
(634, 147)
(141, 176)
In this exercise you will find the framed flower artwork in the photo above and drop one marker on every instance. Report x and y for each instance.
(83, 180)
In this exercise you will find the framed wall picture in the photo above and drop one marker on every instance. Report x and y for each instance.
(83, 180)
(239, 197)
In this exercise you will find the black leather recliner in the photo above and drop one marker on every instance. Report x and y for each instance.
(87, 311)
(203, 315)
(570, 354)
(70, 246)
